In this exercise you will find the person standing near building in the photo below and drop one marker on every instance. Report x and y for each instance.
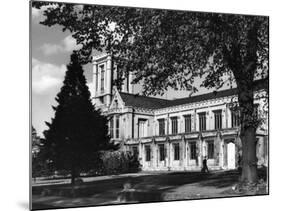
(205, 166)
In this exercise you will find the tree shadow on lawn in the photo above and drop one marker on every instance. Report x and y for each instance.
(140, 182)
(229, 178)
(143, 188)
(222, 179)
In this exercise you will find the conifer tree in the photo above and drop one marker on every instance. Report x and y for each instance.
(77, 131)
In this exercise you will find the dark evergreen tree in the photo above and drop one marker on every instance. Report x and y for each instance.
(78, 131)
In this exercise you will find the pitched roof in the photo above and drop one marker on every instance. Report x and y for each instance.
(140, 101)
(208, 96)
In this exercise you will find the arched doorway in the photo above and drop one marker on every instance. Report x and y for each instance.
(230, 155)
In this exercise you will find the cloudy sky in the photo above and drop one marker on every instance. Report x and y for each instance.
(51, 50)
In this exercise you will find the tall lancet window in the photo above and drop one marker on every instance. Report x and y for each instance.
(117, 125)
(111, 127)
(218, 119)
(174, 125)
(102, 78)
(161, 126)
(187, 123)
(202, 121)
(142, 127)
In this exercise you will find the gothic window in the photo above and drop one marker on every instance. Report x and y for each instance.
(218, 119)
(210, 148)
(235, 118)
(111, 127)
(192, 147)
(161, 126)
(176, 151)
(174, 125)
(147, 153)
(97, 81)
(142, 124)
(117, 125)
(161, 152)
(202, 121)
(187, 123)
(102, 78)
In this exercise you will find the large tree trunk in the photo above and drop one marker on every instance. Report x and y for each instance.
(248, 131)
(249, 160)
(244, 68)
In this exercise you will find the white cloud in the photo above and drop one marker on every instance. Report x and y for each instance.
(46, 76)
(68, 44)
(36, 13)
(49, 49)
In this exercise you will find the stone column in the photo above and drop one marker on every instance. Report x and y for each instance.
(199, 151)
(156, 156)
(167, 125)
(182, 152)
(217, 143)
(209, 119)
(168, 154)
(195, 121)
(187, 150)
(223, 118)
(154, 127)
(226, 116)
(221, 153)
(141, 153)
(181, 128)
(153, 154)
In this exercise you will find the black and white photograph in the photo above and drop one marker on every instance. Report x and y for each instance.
(136, 105)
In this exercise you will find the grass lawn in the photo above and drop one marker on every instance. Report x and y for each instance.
(141, 187)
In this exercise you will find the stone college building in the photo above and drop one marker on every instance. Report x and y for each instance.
(174, 134)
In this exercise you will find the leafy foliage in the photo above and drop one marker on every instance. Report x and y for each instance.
(168, 48)
(116, 162)
(39, 165)
(35, 142)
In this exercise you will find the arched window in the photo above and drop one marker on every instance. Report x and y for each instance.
(102, 78)
(117, 122)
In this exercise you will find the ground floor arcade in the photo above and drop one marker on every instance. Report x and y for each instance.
(187, 151)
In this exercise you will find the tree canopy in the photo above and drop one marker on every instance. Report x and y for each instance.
(167, 46)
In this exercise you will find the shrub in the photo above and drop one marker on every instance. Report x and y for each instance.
(116, 162)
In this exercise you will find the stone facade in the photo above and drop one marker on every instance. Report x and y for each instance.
(173, 134)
